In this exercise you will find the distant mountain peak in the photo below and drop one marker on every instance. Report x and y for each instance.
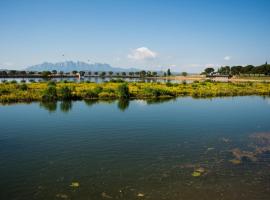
(68, 66)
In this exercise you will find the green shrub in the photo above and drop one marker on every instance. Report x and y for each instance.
(94, 92)
(156, 92)
(23, 87)
(123, 91)
(65, 93)
(107, 95)
(13, 81)
(4, 91)
(49, 94)
(118, 80)
(51, 83)
(169, 84)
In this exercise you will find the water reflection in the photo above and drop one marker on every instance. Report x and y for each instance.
(164, 152)
(123, 104)
(50, 106)
(90, 102)
(159, 101)
(66, 106)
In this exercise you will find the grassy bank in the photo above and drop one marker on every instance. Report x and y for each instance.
(49, 91)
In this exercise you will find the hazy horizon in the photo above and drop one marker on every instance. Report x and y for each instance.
(152, 35)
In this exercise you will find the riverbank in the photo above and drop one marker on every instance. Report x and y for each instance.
(49, 91)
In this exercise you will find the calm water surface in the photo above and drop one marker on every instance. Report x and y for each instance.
(135, 150)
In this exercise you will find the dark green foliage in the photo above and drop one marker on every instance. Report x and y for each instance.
(46, 74)
(156, 92)
(118, 80)
(65, 93)
(184, 73)
(123, 91)
(169, 72)
(209, 70)
(13, 82)
(4, 91)
(123, 104)
(242, 70)
(169, 84)
(49, 94)
(66, 106)
(50, 106)
(51, 83)
(23, 87)
(94, 92)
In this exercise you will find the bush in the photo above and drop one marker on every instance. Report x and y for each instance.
(51, 83)
(4, 91)
(118, 80)
(123, 91)
(169, 84)
(107, 95)
(156, 92)
(23, 87)
(65, 93)
(13, 81)
(49, 94)
(94, 92)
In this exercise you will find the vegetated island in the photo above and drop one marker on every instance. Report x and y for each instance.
(11, 92)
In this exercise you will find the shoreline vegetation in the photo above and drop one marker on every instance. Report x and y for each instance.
(12, 92)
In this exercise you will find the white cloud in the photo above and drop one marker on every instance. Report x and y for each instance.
(6, 65)
(142, 53)
(227, 58)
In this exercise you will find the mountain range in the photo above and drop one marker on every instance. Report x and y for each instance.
(69, 66)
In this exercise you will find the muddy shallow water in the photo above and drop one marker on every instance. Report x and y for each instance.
(176, 149)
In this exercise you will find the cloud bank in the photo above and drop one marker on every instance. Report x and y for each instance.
(227, 58)
(142, 53)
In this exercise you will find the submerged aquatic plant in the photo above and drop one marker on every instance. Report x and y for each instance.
(75, 184)
(196, 174)
(239, 155)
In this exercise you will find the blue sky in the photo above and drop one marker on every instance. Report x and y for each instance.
(185, 35)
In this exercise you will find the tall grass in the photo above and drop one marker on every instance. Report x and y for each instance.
(16, 92)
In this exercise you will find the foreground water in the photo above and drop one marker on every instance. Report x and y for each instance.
(178, 149)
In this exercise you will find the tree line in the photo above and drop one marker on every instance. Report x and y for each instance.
(142, 73)
(240, 70)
